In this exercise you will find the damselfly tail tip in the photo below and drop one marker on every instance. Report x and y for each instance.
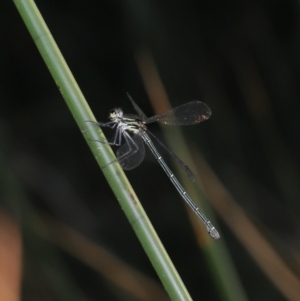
(214, 233)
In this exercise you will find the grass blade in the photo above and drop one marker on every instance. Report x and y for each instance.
(103, 153)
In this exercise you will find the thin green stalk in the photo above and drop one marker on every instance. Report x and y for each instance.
(103, 153)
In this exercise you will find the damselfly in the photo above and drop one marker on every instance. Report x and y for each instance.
(132, 128)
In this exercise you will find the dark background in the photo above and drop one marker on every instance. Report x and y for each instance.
(240, 57)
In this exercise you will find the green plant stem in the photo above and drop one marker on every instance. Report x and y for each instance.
(103, 153)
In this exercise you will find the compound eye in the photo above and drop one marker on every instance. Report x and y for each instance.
(116, 113)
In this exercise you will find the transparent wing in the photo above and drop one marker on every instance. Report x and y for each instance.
(140, 113)
(131, 154)
(189, 113)
(181, 163)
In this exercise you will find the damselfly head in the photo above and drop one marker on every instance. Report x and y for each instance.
(115, 113)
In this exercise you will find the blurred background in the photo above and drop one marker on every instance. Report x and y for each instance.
(63, 235)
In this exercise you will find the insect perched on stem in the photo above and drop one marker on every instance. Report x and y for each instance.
(132, 128)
